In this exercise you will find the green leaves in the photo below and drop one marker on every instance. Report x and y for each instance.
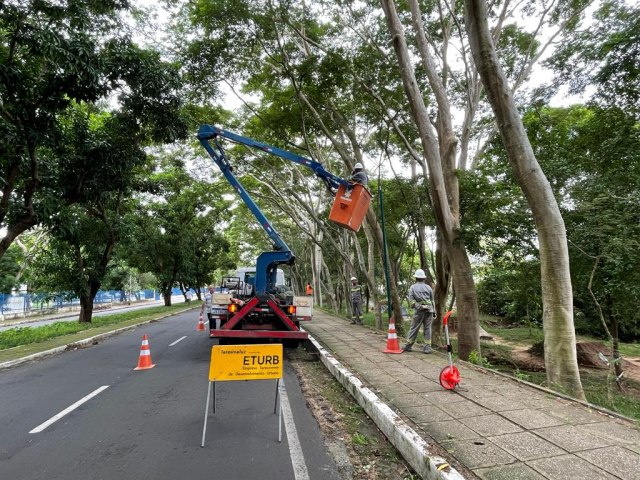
(58, 60)
(605, 55)
(591, 157)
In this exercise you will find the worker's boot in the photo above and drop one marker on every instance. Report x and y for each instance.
(353, 321)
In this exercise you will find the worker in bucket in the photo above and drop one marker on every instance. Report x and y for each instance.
(421, 300)
(356, 302)
(358, 175)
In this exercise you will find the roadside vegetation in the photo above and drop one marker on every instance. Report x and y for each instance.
(15, 337)
(517, 351)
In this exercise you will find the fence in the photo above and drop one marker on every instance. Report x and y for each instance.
(26, 303)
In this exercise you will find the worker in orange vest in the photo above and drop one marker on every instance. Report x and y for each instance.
(309, 290)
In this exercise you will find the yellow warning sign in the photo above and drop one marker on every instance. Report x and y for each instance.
(245, 362)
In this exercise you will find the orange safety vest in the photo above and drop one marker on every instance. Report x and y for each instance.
(309, 289)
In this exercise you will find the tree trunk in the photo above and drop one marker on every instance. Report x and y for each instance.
(440, 292)
(370, 272)
(615, 350)
(166, 295)
(444, 185)
(559, 336)
(86, 308)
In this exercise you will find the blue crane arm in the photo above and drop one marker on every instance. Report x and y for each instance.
(267, 262)
(332, 181)
(219, 157)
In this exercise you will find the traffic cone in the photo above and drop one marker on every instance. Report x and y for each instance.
(200, 326)
(392, 339)
(144, 361)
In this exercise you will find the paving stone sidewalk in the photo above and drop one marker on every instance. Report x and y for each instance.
(496, 427)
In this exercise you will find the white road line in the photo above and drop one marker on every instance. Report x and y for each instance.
(69, 409)
(300, 471)
(178, 340)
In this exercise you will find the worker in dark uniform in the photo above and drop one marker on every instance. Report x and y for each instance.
(356, 302)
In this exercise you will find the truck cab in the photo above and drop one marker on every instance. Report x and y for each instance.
(235, 291)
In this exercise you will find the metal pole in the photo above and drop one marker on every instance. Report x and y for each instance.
(206, 415)
(280, 417)
(275, 405)
(384, 252)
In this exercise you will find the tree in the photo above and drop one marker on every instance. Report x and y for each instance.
(97, 163)
(439, 154)
(560, 353)
(10, 269)
(279, 49)
(55, 54)
(174, 232)
(604, 55)
(76, 257)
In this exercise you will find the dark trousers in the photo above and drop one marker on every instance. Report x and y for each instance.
(356, 311)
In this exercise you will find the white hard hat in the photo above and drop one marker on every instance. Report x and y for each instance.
(420, 273)
(358, 166)
(354, 279)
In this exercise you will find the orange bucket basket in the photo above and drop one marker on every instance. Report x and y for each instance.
(350, 207)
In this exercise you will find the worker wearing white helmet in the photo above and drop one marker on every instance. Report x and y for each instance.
(358, 175)
(356, 302)
(421, 299)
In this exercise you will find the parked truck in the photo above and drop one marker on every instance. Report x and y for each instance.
(254, 304)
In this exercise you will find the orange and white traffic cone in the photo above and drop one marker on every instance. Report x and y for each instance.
(144, 361)
(392, 339)
(200, 326)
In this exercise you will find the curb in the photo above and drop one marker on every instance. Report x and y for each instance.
(413, 448)
(79, 343)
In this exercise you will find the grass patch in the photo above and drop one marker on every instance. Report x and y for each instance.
(594, 384)
(29, 335)
(517, 334)
(626, 349)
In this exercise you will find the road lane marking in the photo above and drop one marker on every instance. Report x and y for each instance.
(300, 471)
(178, 340)
(69, 409)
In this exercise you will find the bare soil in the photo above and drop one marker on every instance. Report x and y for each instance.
(360, 450)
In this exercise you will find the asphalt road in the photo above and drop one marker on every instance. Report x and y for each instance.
(148, 424)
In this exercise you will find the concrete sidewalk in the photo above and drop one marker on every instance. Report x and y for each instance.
(491, 427)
